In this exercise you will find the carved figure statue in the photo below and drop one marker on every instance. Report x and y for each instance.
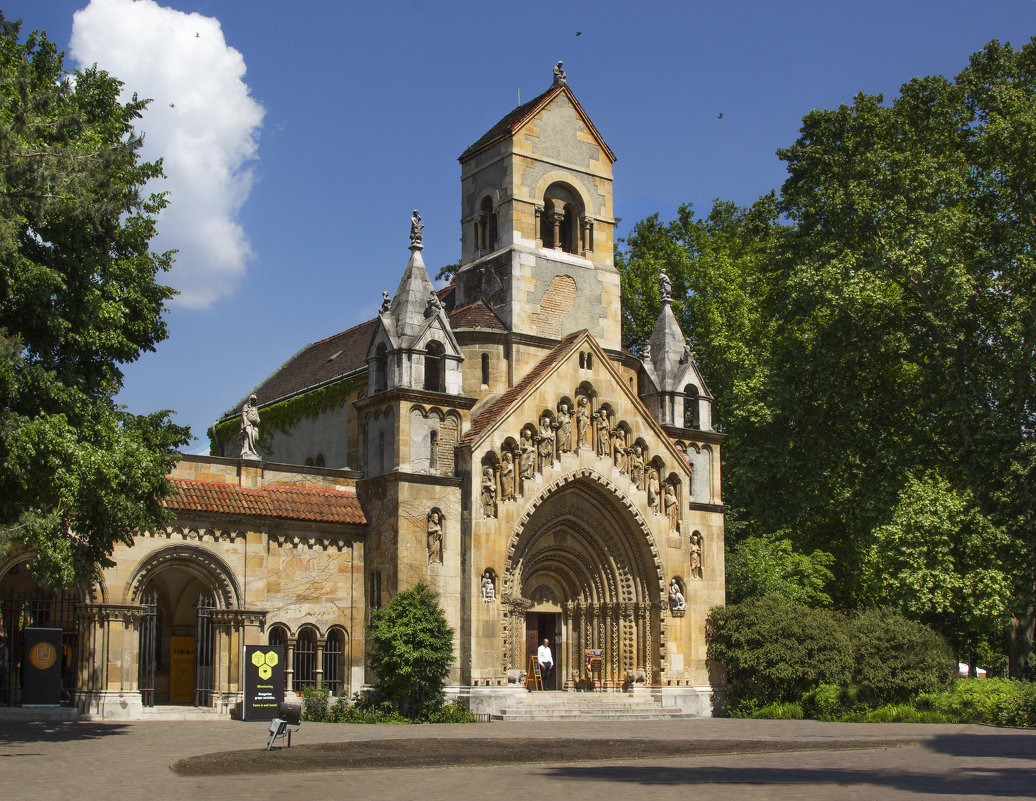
(696, 544)
(416, 227)
(620, 450)
(488, 492)
(545, 441)
(434, 304)
(559, 74)
(508, 488)
(604, 436)
(637, 466)
(665, 286)
(527, 458)
(386, 302)
(250, 429)
(653, 489)
(676, 600)
(488, 588)
(688, 354)
(672, 507)
(435, 537)
(583, 420)
(564, 428)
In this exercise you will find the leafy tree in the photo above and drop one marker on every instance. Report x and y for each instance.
(411, 651)
(758, 566)
(78, 299)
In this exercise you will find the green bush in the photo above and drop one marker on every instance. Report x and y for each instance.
(779, 711)
(452, 713)
(776, 650)
(830, 702)
(411, 652)
(314, 704)
(1017, 708)
(968, 700)
(895, 658)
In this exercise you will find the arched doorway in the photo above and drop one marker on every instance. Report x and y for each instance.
(582, 563)
(180, 588)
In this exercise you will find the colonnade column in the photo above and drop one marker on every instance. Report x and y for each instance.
(318, 668)
(289, 665)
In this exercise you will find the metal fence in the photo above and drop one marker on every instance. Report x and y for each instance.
(19, 611)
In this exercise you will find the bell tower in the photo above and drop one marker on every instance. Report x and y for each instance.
(537, 220)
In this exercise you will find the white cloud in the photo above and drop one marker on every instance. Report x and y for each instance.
(201, 120)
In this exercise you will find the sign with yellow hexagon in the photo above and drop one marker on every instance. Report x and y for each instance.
(264, 681)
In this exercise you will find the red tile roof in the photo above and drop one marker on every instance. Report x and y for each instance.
(496, 409)
(508, 125)
(284, 502)
(476, 315)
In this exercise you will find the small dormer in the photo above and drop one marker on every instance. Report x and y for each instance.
(673, 389)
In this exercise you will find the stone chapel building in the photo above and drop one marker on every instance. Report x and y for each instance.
(492, 439)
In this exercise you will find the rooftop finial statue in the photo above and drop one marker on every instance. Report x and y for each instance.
(250, 429)
(386, 303)
(416, 227)
(665, 286)
(559, 74)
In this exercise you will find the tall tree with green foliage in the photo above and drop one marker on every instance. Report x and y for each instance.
(411, 646)
(79, 298)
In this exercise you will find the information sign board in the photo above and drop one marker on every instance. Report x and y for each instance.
(41, 668)
(264, 681)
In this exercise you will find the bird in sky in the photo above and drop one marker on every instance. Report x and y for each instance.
(579, 33)
(719, 116)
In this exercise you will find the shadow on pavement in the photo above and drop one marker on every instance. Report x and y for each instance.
(1018, 744)
(1005, 783)
(12, 732)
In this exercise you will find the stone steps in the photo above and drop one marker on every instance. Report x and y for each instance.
(587, 706)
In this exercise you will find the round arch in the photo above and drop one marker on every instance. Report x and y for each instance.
(95, 592)
(209, 567)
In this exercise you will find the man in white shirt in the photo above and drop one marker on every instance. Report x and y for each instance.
(546, 660)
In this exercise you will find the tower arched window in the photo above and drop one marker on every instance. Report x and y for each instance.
(485, 369)
(485, 226)
(434, 367)
(690, 407)
(561, 219)
(380, 367)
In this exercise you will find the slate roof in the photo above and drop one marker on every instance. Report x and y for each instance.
(498, 407)
(283, 502)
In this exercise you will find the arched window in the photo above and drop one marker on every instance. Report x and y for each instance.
(305, 659)
(334, 661)
(319, 461)
(561, 219)
(433, 450)
(485, 369)
(380, 368)
(690, 407)
(433, 367)
(485, 230)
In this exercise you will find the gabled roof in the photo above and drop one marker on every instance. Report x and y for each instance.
(286, 503)
(476, 315)
(511, 122)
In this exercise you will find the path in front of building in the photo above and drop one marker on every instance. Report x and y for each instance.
(703, 759)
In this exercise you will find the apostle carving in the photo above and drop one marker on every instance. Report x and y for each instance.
(653, 489)
(676, 599)
(637, 466)
(508, 487)
(435, 537)
(583, 420)
(696, 545)
(527, 457)
(545, 441)
(604, 437)
(488, 492)
(672, 506)
(564, 425)
(620, 450)
(488, 587)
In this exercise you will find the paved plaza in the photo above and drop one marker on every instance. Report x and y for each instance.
(703, 759)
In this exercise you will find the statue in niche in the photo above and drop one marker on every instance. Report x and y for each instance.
(488, 492)
(435, 537)
(696, 544)
(545, 441)
(604, 437)
(672, 506)
(488, 588)
(653, 488)
(386, 303)
(583, 421)
(564, 428)
(507, 482)
(416, 227)
(527, 458)
(250, 429)
(620, 450)
(665, 286)
(637, 466)
(676, 600)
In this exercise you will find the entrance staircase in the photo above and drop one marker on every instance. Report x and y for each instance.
(552, 705)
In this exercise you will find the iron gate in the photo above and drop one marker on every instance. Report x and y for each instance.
(149, 649)
(19, 611)
(203, 672)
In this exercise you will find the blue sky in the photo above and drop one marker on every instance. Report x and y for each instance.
(299, 136)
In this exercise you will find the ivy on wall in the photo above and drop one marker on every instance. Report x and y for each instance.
(283, 416)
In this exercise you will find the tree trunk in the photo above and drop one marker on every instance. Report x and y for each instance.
(1021, 631)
